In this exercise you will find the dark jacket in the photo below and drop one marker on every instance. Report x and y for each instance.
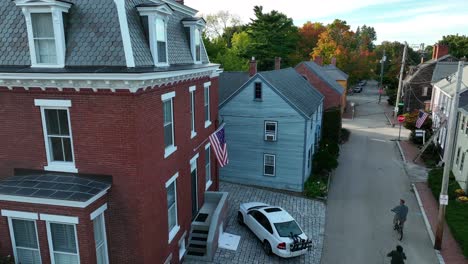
(401, 211)
(397, 257)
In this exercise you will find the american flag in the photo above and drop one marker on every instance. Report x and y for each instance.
(219, 146)
(421, 118)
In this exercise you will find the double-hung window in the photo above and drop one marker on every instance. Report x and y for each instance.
(457, 159)
(271, 130)
(192, 111)
(208, 166)
(197, 45)
(309, 157)
(23, 234)
(462, 125)
(100, 239)
(155, 24)
(63, 239)
(269, 164)
(168, 123)
(57, 134)
(45, 28)
(462, 161)
(171, 189)
(466, 128)
(207, 103)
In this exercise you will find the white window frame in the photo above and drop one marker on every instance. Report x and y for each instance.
(100, 213)
(264, 164)
(64, 220)
(173, 232)
(266, 133)
(208, 180)
(25, 216)
(194, 167)
(162, 12)
(193, 132)
(200, 25)
(56, 9)
(164, 98)
(206, 104)
(62, 166)
(182, 247)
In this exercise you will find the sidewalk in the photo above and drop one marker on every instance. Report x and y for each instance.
(451, 251)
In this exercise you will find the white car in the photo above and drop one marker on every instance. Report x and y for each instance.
(276, 228)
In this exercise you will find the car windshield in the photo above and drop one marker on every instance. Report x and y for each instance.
(285, 229)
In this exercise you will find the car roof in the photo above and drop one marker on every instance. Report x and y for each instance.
(276, 214)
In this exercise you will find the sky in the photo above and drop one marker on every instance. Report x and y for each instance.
(414, 21)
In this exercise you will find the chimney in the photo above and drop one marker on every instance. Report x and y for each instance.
(318, 60)
(277, 63)
(180, 1)
(253, 67)
(440, 50)
(333, 61)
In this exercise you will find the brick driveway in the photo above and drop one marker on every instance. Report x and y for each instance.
(310, 215)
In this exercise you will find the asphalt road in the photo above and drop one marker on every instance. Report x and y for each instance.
(369, 181)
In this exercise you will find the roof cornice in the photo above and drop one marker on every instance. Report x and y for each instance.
(114, 82)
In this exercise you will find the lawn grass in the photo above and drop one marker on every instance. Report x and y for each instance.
(456, 213)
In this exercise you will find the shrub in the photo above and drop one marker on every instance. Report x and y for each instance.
(6, 260)
(344, 135)
(331, 125)
(326, 158)
(431, 156)
(315, 187)
(435, 183)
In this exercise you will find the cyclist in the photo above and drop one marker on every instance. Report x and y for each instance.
(398, 256)
(401, 211)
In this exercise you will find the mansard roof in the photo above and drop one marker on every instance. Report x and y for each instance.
(93, 36)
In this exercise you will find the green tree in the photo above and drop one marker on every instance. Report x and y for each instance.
(273, 35)
(458, 45)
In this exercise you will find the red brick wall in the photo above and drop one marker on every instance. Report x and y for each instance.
(119, 134)
(332, 98)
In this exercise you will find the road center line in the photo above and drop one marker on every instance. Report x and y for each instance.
(379, 140)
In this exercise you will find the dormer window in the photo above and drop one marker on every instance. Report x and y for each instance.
(156, 16)
(44, 21)
(195, 26)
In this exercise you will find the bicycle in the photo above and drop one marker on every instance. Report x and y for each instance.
(398, 227)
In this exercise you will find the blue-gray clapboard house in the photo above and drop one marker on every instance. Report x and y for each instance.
(272, 124)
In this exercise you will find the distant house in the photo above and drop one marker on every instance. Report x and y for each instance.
(417, 87)
(340, 76)
(273, 123)
(316, 75)
(443, 93)
(459, 165)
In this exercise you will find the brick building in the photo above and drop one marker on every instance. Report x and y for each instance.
(106, 106)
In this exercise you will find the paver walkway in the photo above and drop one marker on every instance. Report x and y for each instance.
(451, 251)
(310, 214)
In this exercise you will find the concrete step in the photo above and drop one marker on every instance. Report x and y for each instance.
(201, 227)
(191, 245)
(195, 249)
(194, 253)
(197, 242)
(198, 239)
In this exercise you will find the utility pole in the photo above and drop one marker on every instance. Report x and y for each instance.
(400, 82)
(448, 156)
(382, 62)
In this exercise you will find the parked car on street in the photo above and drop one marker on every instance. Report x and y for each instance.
(357, 89)
(277, 230)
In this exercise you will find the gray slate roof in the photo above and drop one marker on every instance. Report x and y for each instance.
(322, 74)
(335, 72)
(294, 88)
(93, 37)
(449, 86)
(52, 185)
(229, 83)
(444, 69)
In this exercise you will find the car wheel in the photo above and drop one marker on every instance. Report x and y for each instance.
(267, 247)
(240, 218)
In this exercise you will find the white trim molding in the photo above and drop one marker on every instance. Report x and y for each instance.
(56, 10)
(59, 219)
(207, 145)
(126, 40)
(98, 211)
(181, 8)
(192, 88)
(131, 82)
(52, 103)
(167, 96)
(32, 200)
(20, 214)
(172, 179)
(194, 159)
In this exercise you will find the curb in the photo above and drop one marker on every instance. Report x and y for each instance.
(401, 151)
(388, 118)
(428, 225)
